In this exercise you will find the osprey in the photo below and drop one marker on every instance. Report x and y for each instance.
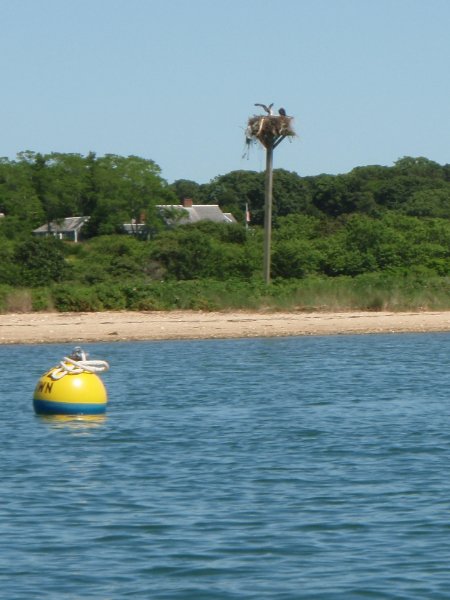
(268, 109)
(282, 112)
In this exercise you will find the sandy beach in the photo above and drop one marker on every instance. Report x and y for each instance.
(77, 328)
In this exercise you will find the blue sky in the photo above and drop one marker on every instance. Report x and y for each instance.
(176, 80)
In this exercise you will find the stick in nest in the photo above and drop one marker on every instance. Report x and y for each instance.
(268, 128)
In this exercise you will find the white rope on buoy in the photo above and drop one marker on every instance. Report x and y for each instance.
(78, 363)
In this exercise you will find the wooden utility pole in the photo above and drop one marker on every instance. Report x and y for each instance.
(268, 213)
(270, 130)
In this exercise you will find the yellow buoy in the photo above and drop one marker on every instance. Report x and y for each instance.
(72, 388)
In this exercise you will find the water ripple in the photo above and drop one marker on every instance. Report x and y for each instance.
(279, 469)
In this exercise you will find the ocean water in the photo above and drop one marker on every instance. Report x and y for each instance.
(284, 469)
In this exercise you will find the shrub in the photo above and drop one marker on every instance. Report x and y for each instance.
(42, 261)
(68, 298)
(41, 299)
(295, 258)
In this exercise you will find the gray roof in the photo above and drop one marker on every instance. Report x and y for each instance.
(66, 225)
(198, 212)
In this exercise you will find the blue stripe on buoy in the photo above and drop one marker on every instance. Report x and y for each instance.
(47, 407)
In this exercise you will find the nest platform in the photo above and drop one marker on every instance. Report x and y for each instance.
(269, 128)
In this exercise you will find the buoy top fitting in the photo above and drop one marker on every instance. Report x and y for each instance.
(78, 363)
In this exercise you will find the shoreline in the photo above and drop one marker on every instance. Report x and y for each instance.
(112, 326)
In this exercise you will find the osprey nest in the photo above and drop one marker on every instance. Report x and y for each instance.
(268, 129)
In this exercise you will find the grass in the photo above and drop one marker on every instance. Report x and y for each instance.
(374, 292)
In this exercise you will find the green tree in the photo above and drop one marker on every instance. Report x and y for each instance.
(234, 191)
(41, 179)
(67, 182)
(429, 203)
(91, 193)
(185, 188)
(419, 167)
(332, 195)
(129, 190)
(292, 194)
(18, 200)
(299, 226)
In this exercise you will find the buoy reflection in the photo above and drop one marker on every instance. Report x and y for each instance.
(75, 422)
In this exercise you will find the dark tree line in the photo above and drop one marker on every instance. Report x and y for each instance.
(413, 186)
(36, 188)
(374, 218)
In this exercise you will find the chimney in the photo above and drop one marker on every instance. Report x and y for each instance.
(187, 202)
